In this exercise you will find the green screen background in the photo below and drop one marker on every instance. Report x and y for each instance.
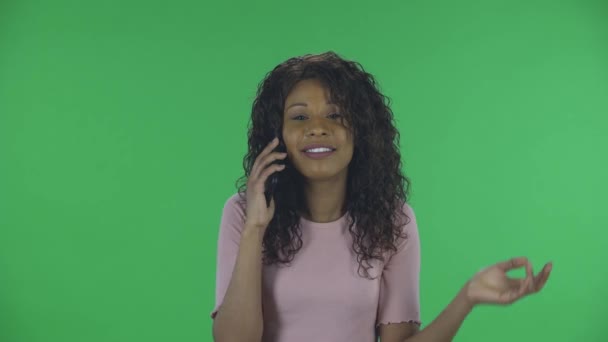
(123, 128)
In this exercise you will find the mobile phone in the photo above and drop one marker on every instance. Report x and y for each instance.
(273, 180)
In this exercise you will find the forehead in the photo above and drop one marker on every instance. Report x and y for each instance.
(308, 90)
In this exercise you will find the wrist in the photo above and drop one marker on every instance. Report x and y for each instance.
(465, 299)
(252, 231)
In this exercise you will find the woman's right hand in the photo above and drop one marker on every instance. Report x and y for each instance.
(258, 214)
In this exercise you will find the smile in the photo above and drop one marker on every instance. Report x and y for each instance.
(318, 155)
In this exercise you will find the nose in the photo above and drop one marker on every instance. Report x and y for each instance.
(316, 127)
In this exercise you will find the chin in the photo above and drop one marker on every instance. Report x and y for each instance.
(320, 175)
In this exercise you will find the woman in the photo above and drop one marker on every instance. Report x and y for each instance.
(335, 253)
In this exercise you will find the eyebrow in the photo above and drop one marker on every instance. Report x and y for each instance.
(305, 105)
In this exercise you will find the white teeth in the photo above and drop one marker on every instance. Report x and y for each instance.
(319, 149)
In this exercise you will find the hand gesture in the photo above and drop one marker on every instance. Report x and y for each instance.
(492, 286)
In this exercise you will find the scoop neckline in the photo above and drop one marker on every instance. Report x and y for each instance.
(324, 224)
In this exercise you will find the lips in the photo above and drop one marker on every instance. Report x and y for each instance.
(317, 155)
(308, 147)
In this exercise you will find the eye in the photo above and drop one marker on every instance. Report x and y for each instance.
(336, 115)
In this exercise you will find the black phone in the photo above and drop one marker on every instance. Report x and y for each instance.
(273, 179)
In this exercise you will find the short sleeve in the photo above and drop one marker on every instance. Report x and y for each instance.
(231, 227)
(399, 299)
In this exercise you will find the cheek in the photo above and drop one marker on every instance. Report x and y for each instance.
(289, 136)
(290, 146)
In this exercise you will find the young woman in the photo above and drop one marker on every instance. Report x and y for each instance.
(335, 254)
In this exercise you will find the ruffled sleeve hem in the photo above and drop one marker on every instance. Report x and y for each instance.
(414, 321)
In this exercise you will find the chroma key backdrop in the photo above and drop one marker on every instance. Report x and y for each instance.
(123, 126)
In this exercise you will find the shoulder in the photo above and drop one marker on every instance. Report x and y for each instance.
(406, 218)
(407, 225)
(234, 209)
(236, 202)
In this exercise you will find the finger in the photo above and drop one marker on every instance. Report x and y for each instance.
(271, 157)
(512, 263)
(268, 171)
(544, 281)
(267, 162)
(529, 271)
(517, 289)
(530, 278)
(258, 165)
(525, 286)
(538, 279)
(543, 276)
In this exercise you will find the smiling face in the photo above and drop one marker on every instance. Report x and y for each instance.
(309, 119)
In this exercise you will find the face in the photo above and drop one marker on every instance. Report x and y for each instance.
(309, 119)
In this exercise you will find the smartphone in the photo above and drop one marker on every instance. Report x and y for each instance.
(273, 179)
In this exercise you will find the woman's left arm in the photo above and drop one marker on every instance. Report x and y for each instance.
(489, 286)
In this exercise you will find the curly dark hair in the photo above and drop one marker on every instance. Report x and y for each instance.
(376, 188)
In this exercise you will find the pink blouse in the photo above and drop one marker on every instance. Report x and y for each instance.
(321, 297)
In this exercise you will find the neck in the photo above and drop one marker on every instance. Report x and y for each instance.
(325, 199)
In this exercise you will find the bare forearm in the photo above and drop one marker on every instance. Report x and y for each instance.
(445, 326)
(239, 318)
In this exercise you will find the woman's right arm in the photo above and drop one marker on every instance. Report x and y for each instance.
(239, 318)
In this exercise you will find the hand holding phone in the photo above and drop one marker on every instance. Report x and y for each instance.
(273, 179)
(260, 209)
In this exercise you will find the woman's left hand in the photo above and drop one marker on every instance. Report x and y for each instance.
(492, 286)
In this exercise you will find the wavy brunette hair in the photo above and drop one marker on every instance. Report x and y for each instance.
(376, 189)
